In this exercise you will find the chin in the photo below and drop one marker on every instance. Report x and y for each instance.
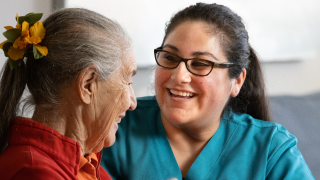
(109, 142)
(176, 119)
(177, 122)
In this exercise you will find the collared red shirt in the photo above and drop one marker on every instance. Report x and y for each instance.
(36, 151)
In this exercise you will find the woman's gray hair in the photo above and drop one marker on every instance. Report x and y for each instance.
(76, 38)
(79, 37)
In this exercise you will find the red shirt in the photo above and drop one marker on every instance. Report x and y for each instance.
(36, 151)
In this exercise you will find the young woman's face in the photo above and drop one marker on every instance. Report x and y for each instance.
(186, 99)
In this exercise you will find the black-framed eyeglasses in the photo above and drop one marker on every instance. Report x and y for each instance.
(200, 67)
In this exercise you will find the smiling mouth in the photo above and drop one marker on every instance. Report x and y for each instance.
(181, 94)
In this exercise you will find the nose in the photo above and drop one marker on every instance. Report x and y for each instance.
(181, 74)
(133, 101)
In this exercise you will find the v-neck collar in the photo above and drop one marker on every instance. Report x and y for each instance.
(167, 160)
(205, 162)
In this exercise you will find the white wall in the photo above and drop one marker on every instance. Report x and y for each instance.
(282, 78)
(292, 77)
(279, 30)
(284, 33)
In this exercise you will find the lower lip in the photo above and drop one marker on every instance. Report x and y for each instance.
(116, 125)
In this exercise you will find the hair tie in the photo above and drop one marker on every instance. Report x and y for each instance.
(27, 35)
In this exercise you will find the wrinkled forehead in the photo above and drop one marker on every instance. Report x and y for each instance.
(128, 66)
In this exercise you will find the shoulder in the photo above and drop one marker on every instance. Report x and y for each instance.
(38, 173)
(245, 121)
(147, 102)
(272, 136)
(13, 159)
(268, 142)
(21, 162)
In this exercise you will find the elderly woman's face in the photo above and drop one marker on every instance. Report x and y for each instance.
(187, 99)
(115, 96)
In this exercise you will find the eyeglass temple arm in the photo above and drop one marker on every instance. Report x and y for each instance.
(226, 65)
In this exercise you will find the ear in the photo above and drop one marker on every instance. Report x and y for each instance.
(87, 83)
(237, 84)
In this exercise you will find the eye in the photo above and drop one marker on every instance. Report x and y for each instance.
(200, 63)
(170, 57)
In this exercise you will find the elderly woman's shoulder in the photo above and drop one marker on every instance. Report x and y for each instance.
(26, 162)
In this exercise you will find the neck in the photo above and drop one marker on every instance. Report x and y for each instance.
(187, 142)
(190, 132)
(67, 122)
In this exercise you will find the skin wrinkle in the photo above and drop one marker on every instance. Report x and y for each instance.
(91, 130)
(117, 89)
(67, 128)
(76, 39)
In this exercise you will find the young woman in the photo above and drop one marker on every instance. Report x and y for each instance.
(209, 118)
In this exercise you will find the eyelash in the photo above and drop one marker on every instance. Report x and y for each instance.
(130, 84)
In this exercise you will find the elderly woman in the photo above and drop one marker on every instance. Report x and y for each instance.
(81, 89)
(204, 122)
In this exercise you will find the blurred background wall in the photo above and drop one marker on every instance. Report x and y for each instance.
(284, 33)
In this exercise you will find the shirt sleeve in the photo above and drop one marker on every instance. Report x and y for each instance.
(288, 163)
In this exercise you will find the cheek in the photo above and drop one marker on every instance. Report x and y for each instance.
(209, 87)
(161, 76)
(123, 99)
(217, 88)
(113, 104)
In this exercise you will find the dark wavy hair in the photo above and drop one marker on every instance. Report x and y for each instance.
(233, 38)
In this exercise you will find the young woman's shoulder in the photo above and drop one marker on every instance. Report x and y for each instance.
(272, 143)
(247, 121)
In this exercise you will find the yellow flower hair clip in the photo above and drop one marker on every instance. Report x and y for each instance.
(22, 38)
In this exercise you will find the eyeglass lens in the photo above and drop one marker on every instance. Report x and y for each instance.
(196, 66)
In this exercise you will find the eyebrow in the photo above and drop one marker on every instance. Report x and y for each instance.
(134, 72)
(197, 53)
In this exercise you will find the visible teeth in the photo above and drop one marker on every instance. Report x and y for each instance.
(118, 120)
(178, 93)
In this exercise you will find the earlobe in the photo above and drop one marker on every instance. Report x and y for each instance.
(87, 83)
(238, 83)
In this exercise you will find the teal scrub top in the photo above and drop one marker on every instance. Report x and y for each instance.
(242, 148)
